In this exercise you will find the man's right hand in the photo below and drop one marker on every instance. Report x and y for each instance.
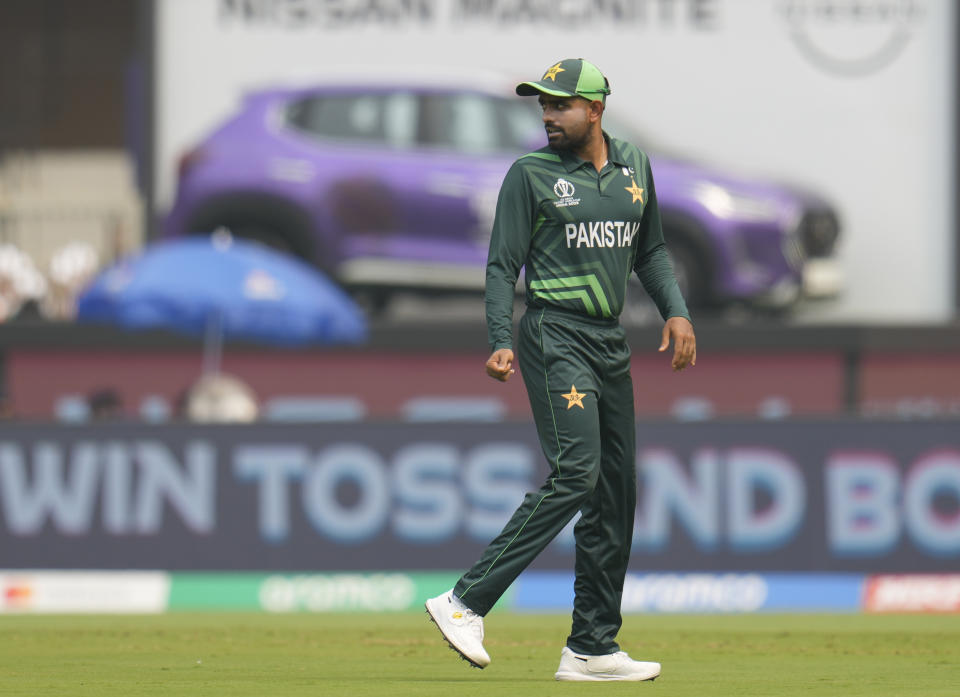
(500, 364)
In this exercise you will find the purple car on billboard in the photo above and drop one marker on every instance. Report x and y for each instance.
(389, 186)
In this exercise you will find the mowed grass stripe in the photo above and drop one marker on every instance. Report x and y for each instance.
(391, 655)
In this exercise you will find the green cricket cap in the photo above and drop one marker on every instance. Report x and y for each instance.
(573, 77)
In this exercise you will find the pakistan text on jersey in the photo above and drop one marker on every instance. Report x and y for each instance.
(601, 233)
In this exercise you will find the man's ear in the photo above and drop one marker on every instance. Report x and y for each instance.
(596, 110)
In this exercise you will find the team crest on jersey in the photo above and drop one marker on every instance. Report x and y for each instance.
(636, 193)
(565, 191)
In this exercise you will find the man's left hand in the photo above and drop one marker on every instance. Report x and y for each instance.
(680, 331)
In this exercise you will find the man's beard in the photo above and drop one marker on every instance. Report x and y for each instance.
(567, 144)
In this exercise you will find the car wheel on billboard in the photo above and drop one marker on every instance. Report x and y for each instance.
(265, 236)
(691, 274)
(375, 302)
(689, 269)
(638, 308)
(261, 218)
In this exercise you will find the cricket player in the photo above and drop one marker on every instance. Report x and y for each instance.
(581, 215)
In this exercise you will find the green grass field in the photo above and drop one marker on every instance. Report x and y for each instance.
(402, 654)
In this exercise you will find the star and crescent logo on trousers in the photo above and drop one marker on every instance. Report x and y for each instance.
(574, 398)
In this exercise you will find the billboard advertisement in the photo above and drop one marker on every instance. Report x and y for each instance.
(851, 100)
(784, 497)
(140, 592)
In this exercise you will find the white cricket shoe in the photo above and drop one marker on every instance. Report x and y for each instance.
(460, 626)
(615, 666)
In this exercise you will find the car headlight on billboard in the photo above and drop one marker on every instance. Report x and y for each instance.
(727, 205)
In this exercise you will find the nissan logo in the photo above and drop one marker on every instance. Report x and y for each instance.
(851, 37)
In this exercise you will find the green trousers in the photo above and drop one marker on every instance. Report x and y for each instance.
(577, 374)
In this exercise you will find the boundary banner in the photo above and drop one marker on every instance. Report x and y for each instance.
(739, 497)
(913, 593)
(134, 592)
(328, 592)
(705, 592)
(145, 592)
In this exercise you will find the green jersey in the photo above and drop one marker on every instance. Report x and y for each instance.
(579, 234)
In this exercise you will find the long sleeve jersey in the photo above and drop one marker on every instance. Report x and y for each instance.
(579, 234)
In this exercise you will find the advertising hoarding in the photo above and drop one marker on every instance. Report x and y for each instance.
(143, 592)
(852, 99)
(846, 496)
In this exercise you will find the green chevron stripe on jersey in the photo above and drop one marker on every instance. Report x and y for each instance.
(582, 295)
(573, 288)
